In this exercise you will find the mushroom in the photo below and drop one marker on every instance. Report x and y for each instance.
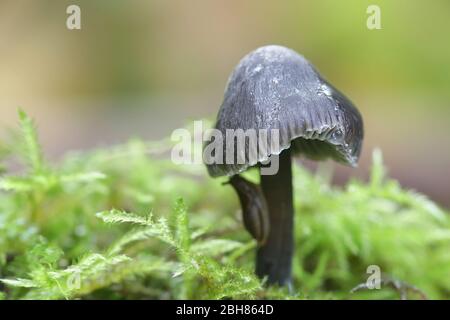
(275, 89)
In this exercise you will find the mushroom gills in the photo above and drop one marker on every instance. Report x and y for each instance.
(316, 149)
(254, 208)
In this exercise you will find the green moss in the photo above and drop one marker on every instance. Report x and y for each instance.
(176, 233)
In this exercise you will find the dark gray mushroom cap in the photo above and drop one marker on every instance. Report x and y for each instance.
(274, 87)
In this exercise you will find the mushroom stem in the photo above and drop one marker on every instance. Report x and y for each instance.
(274, 258)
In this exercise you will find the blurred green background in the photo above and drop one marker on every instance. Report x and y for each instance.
(144, 68)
